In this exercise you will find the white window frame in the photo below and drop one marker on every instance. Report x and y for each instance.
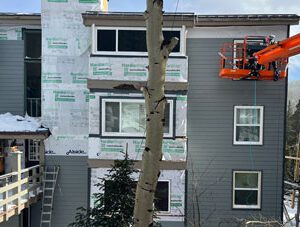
(260, 125)
(96, 28)
(33, 150)
(125, 134)
(258, 189)
(169, 199)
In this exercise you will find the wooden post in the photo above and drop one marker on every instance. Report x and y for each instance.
(298, 210)
(5, 196)
(17, 167)
(154, 94)
(34, 182)
(42, 153)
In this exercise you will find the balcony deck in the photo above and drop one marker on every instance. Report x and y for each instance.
(18, 190)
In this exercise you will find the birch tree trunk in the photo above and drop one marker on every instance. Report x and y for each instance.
(158, 53)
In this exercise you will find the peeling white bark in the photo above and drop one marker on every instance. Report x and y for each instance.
(158, 53)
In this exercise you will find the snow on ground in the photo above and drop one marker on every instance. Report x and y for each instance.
(291, 211)
(16, 123)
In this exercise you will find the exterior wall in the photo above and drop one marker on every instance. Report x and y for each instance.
(211, 154)
(70, 192)
(133, 67)
(12, 222)
(12, 76)
(172, 224)
(35, 214)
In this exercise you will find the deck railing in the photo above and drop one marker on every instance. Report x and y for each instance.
(19, 188)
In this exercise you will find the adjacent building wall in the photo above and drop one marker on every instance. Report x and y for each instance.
(211, 154)
(12, 76)
(12, 222)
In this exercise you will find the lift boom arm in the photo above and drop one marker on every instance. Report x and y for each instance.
(284, 49)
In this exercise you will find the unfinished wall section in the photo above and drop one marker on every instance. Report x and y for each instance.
(116, 125)
(174, 190)
(66, 48)
(102, 146)
(134, 69)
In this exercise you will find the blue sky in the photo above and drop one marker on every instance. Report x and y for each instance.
(197, 6)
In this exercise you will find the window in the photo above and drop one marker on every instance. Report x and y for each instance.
(127, 117)
(32, 59)
(161, 197)
(106, 40)
(34, 150)
(247, 189)
(128, 40)
(132, 41)
(248, 125)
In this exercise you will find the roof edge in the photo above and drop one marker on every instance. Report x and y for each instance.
(20, 18)
(246, 19)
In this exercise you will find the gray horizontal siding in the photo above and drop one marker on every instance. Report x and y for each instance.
(12, 77)
(211, 154)
(71, 190)
(172, 224)
(12, 222)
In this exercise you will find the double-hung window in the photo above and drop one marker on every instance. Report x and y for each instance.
(127, 117)
(248, 125)
(246, 189)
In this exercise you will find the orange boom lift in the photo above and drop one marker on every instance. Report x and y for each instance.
(256, 58)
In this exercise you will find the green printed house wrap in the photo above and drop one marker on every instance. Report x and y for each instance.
(57, 43)
(11, 33)
(128, 69)
(136, 70)
(51, 78)
(79, 78)
(101, 69)
(174, 150)
(173, 70)
(88, 1)
(65, 65)
(64, 96)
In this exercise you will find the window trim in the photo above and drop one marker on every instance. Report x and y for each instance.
(36, 148)
(258, 189)
(103, 100)
(120, 53)
(261, 126)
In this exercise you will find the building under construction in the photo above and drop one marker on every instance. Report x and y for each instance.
(74, 68)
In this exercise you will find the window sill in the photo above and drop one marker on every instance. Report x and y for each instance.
(131, 55)
(248, 143)
(243, 207)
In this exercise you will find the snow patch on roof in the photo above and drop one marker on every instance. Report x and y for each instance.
(16, 123)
